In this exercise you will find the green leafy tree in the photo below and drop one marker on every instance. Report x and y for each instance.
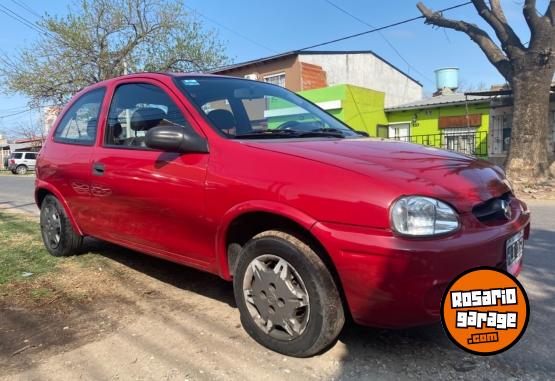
(102, 39)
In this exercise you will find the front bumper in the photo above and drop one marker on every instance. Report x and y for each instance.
(395, 282)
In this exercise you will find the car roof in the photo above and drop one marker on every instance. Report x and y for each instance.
(153, 75)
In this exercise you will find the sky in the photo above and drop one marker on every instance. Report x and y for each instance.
(254, 28)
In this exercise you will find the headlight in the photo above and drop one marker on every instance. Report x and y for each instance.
(422, 216)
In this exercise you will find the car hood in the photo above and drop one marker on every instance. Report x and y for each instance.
(403, 168)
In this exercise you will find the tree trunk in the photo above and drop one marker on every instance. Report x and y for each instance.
(529, 155)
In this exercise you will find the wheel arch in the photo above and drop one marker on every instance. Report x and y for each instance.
(43, 189)
(244, 221)
(276, 216)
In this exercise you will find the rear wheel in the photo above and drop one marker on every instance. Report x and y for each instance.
(287, 297)
(57, 233)
(21, 169)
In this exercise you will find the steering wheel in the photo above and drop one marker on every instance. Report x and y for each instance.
(288, 125)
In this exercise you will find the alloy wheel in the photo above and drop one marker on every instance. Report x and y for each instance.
(276, 297)
(52, 226)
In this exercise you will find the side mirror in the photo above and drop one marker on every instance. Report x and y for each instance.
(175, 139)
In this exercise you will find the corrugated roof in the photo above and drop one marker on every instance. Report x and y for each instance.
(447, 99)
(499, 91)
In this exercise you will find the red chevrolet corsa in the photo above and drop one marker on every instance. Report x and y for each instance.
(310, 219)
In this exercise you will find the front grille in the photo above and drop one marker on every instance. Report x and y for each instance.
(493, 209)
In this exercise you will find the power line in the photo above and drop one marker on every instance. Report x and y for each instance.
(230, 29)
(33, 25)
(27, 8)
(27, 109)
(380, 28)
(14, 15)
(14, 109)
(16, 113)
(382, 36)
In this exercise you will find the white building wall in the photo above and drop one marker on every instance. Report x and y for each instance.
(366, 70)
(50, 114)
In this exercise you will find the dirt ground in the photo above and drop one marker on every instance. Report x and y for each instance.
(133, 317)
(127, 316)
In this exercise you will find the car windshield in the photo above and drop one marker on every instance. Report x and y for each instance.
(245, 109)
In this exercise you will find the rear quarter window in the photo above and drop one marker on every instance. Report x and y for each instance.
(17, 155)
(79, 123)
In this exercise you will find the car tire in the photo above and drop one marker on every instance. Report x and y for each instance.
(21, 169)
(57, 233)
(276, 275)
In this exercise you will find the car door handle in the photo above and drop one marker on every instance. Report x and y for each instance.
(98, 169)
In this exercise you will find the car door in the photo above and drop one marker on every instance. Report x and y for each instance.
(67, 156)
(30, 160)
(144, 198)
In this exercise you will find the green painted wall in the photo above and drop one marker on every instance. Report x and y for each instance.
(427, 122)
(361, 108)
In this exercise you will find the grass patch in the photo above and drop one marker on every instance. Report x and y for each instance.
(21, 249)
(42, 293)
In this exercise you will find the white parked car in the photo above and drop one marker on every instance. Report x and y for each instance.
(21, 162)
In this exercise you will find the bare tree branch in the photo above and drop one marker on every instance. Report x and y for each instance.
(498, 11)
(550, 13)
(529, 72)
(494, 54)
(509, 40)
(530, 14)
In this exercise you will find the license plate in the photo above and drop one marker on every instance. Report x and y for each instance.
(513, 252)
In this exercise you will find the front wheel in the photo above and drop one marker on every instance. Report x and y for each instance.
(57, 233)
(286, 295)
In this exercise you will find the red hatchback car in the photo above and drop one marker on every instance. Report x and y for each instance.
(312, 220)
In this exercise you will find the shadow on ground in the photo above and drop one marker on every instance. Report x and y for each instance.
(183, 277)
(425, 352)
(422, 352)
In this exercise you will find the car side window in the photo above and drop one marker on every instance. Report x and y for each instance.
(31, 156)
(135, 109)
(79, 123)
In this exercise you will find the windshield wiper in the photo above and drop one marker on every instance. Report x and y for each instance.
(342, 132)
(336, 130)
(322, 132)
(277, 134)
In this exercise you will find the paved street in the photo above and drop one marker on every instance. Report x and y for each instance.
(16, 193)
(206, 342)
